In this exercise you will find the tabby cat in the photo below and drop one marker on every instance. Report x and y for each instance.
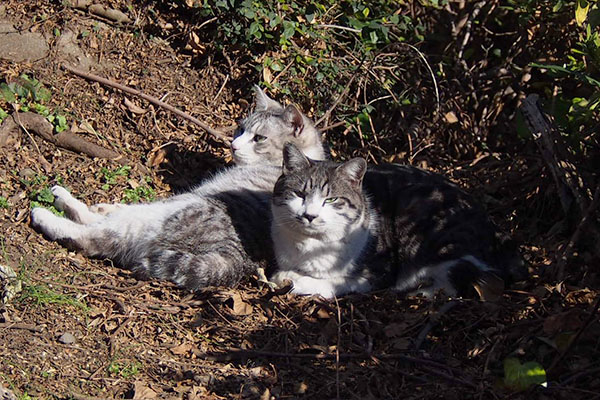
(214, 235)
(340, 228)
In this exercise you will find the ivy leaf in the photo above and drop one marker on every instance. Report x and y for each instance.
(581, 12)
(7, 94)
(520, 377)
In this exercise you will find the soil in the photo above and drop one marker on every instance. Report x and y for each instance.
(82, 328)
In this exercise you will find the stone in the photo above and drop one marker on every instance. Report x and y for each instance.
(20, 47)
(67, 338)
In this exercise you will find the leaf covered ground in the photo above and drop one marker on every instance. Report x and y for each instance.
(81, 328)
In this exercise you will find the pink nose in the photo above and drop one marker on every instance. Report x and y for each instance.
(233, 146)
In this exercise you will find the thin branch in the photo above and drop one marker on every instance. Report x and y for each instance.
(27, 327)
(217, 134)
(580, 228)
(336, 102)
(587, 323)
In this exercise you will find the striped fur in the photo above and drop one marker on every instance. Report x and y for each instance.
(214, 235)
(335, 232)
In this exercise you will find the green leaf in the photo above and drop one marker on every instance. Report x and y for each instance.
(7, 94)
(581, 12)
(520, 377)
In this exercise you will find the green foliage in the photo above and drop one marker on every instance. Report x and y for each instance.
(29, 94)
(577, 111)
(43, 296)
(110, 177)
(4, 202)
(124, 369)
(139, 193)
(39, 193)
(519, 377)
(314, 46)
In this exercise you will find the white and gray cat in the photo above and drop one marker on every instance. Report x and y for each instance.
(214, 235)
(340, 228)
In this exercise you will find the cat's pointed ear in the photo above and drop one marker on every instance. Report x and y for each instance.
(354, 171)
(293, 159)
(264, 102)
(293, 116)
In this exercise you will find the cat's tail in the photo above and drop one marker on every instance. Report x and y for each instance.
(224, 265)
(489, 278)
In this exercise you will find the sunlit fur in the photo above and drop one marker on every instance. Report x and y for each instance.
(263, 133)
(320, 225)
(214, 235)
(399, 227)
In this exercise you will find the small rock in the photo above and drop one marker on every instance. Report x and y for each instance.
(19, 47)
(6, 394)
(67, 338)
(6, 26)
(26, 173)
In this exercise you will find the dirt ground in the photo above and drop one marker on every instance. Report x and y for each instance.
(86, 329)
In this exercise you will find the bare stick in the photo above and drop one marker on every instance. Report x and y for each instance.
(433, 321)
(40, 126)
(553, 151)
(217, 134)
(336, 102)
(27, 327)
(587, 323)
(575, 238)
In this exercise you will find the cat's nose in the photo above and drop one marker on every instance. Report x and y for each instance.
(309, 217)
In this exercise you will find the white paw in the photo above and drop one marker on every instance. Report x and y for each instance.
(305, 285)
(44, 220)
(104, 208)
(61, 197)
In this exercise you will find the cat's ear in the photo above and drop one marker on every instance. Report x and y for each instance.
(264, 102)
(354, 171)
(293, 159)
(293, 116)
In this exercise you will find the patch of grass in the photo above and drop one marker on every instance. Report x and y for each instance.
(110, 177)
(4, 202)
(125, 369)
(139, 193)
(42, 295)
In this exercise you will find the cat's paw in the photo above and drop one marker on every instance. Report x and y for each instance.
(44, 221)
(105, 209)
(305, 285)
(62, 197)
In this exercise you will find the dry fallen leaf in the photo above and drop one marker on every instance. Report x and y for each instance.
(142, 391)
(451, 117)
(240, 307)
(183, 348)
(132, 107)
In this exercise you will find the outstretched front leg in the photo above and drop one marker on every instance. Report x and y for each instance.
(78, 211)
(58, 228)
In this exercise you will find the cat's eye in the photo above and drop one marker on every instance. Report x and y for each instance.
(259, 138)
(299, 194)
(330, 200)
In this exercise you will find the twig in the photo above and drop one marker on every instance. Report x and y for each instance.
(27, 327)
(332, 126)
(433, 320)
(571, 344)
(424, 59)
(337, 348)
(555, 155)
(575, 238)
(336, 102)
(217, 134)
(342, 28)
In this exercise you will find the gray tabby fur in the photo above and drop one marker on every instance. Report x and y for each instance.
(340, 228)
(214, 235)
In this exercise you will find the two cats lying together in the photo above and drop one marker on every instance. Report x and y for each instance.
(331, 228)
